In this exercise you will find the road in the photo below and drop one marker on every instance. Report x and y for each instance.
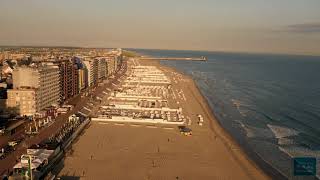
(79, 102)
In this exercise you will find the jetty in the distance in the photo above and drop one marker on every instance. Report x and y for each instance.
(202, 58)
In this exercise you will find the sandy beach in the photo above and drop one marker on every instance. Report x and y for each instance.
(129, 151)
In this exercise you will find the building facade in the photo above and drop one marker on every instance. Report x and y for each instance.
(49, 86)
(39, 83)
(110, 65)
(23, 101)
(102, 68)
(1, 67)
(82, 73)
(92, 66)
(82, 78)
(69, 77)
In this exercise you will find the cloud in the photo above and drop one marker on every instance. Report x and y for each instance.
(304, 28)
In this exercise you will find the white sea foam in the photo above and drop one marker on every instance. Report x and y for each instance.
(282, 132)
(239, 105)
(294, 151)
(255, 132)
(285, 141)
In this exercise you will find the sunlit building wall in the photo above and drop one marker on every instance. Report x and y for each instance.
(40, 83)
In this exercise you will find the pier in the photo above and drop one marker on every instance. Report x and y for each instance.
(202, 58)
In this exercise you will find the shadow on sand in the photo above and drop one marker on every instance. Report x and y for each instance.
(69, 178)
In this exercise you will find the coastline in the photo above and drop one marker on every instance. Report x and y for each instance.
(262, 143)
(245, 154)
(160, 152)
(234, 148)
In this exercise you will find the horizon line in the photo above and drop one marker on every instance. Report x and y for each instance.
(195, 50)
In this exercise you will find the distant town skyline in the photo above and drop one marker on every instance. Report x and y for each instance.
(288, 26)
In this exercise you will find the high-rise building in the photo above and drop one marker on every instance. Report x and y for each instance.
(23, 101)
(118, 57)
(92, 66)
(110, 65)
(37, 86)
(69, 79)
(1, 72)
(26, 77)
(82, 73)
(102, 68)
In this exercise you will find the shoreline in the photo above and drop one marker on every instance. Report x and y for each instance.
(160, 153)
(229, 141)
(216, 127)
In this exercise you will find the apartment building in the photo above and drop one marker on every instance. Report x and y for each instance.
(102, 68)
(23, 101)
(34, 88)
(110, 65)
(69, 78)
(92, 66)
(82, 73)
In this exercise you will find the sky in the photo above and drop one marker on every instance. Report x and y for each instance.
(276, 26)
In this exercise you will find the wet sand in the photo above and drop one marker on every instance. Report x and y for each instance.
(113, 151)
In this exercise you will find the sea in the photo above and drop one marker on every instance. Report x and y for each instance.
(269, 103)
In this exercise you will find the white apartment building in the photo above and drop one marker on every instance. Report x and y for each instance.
(102, 68)
(92, 66)
(110, 65)
(34, 88)
(23, 101)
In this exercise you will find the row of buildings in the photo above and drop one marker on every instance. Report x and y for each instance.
(51, 82)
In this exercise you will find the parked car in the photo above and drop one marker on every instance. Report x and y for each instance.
(185, 131)
(2, 130)
(12, 143)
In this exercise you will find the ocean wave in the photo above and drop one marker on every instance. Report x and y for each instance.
(284, 106)
(295, 120)
(286, 141)
(295, 151)
(256, 132)
(266, 116)
(209, 83)
(199, 75)
(310, 113)
(239, 105)
(282, 132)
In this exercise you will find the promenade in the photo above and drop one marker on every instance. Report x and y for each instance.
(79, 102)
